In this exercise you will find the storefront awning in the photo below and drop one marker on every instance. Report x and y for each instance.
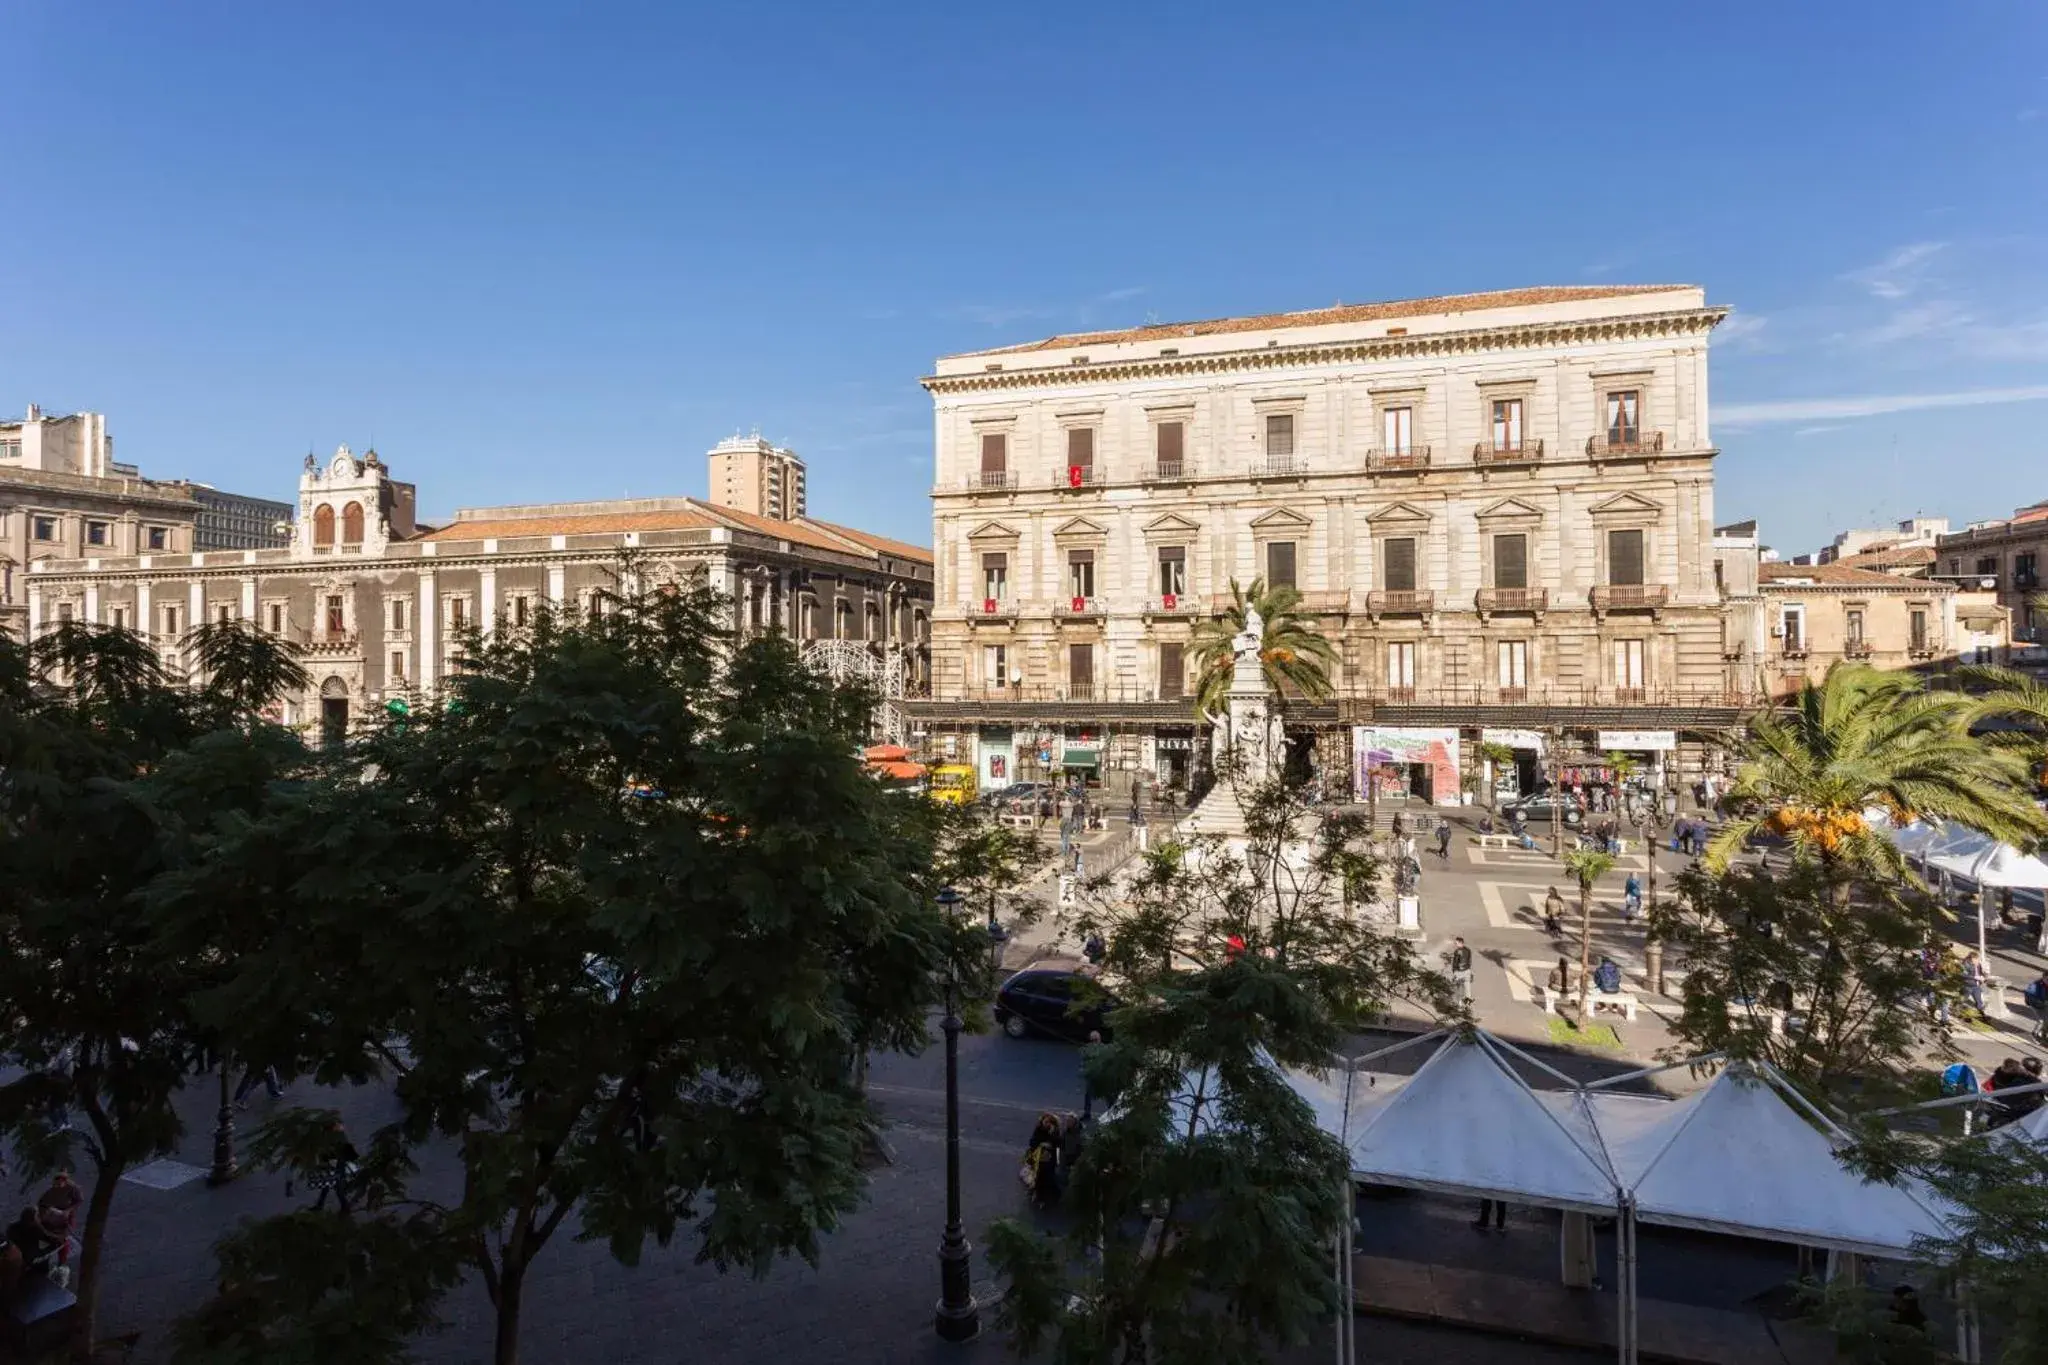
(1081, 758)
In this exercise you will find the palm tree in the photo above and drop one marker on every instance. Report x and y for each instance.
(1294, 655)
(1589, 866)
(244, 668)
(2011, 695)
(1858, 739)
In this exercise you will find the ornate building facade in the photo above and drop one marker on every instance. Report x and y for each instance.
(380, 605)
(1499, 508)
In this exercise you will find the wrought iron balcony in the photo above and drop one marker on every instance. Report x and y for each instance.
(993, 610)
(1173, 604)
(1279, 467)
(1327, 603)
(1400, 601)
(1408, 459)
(1794, 649)
(1078, 476)
(1624, 444)
(1526, 452)
(333, 644)
(1630, 597)
(1535, 600)
(1858, 649)
(1923, 649)
(1170, 471)
(1078, 608)
(991, 481)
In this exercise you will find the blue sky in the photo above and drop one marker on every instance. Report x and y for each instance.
(554, 251)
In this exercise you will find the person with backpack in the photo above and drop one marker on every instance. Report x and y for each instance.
(1607, 977)
(1443, 840)
(1631, 898)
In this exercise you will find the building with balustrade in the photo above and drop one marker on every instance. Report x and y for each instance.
(1498, 507)
(382, 606)
(2008, 557)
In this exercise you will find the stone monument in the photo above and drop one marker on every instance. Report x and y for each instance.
(1248, 739)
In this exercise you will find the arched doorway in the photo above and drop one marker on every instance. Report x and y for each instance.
(333, 712)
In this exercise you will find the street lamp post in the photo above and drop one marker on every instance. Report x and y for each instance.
(959, 1317)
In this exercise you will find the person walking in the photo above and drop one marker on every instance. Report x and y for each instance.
(1973, 980)
(337, 1169)
(1631, 898)
(251, 1078)
(1553, 913)
(1088, 1086)
(1498, 1209)
(1460, 959)
(1443, 840)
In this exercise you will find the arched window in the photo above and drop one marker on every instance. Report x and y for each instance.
(352, 524)
(323, 525)
(874, 622)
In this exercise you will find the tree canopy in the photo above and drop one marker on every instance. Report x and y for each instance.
(1297, 658)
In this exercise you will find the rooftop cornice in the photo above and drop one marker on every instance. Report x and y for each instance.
(1513, 336)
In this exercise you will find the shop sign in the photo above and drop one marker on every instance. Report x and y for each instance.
(1638, 741)
(1175, 743)
(1514, 739)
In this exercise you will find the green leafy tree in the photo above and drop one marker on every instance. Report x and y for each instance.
(1587, 866)
(1756, 945)
(1296, 657)
(618, 918)
(1493, 757)
(112, 766)
(1860, 739)
(1205, 1203)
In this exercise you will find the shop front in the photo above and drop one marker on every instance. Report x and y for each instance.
(1396, 761)
(1080, 758)
(996, 758)
(1518, 775)
(1173, 757)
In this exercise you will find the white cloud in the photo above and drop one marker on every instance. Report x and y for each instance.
(1869, 405)
(1743, 330)
(1935, 317)
(1815, 431)
(1898, 274)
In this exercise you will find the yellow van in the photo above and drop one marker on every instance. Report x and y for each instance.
(953, 783)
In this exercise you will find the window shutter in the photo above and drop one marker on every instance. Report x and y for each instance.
(995, 452)
(1625, 557)
(1081, 447)
(1400, 566)
(1511, 561)
(1169, 443)
(1280, 564)
(1172, 676)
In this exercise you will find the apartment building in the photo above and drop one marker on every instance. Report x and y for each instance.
(1822, 614)
(235, 521)
(754, 476)
(63, 496)
(382, 606)
(1499, 507)
(2012, 556)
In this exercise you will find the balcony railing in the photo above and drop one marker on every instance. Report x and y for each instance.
(332, 644)
(1527, 452)
(1080, 691)
(1077, 608)
(1620, 445)
(991, 481)
(1923, 649)
(1400, 601)
(1397, 460)
(1630, 596)
(1170, 471)
(1278, 467)
(1173, 604)
(990, 609)
(1078, 476)
(1328, 603)
(1857, 649)
(1512, 599)
(1794, 649)
(1511, 696)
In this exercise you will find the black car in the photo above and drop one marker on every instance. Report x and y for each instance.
(1536, 810)
(1053, 1001)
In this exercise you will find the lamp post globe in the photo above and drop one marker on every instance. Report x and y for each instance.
(958, 1317)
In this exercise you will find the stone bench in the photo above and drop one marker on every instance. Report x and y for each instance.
(1498, 840)
(1620, 1002)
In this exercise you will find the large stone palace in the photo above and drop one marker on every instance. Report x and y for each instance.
(1499, 507)
(380, 604)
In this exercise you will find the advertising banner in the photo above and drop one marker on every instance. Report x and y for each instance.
(1376, 747)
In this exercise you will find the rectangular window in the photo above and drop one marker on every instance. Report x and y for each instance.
(1280, 564)
(398, 614)
(1081, 447)
(337, 619)
(1081, 669)
(1401, 664)
(995, 665)
(276, 615)
(1625, 557)
(1917, 628)
(1398, 569)
(1628, 665)
(1513, 657)
(1507, 424)
(1511, 561)
(1852, 627)
(458, 611)
(1173, 570)
(97, 532)
(63, 613)
(397, 665)
(995, 576)
(1986, 564)
(995, 458)
(1623, 426)
(170, 620)
(1279, 435)
(222, 615)
(1080, 573)
(519, 611)
(43, 528)
(1172, 673)
(1170, 448)
(1792, 626)
(1397, 431)
(2024, 572)
(118, 618)
(157, 538)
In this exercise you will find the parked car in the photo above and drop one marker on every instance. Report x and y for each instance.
(1536, 810)
(1016, 792)
(1055, 1002)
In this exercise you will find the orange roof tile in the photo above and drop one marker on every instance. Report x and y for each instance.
(1350, 312)
(585, 524)
(900, 548)
(1903, 556)
(1839, 574)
